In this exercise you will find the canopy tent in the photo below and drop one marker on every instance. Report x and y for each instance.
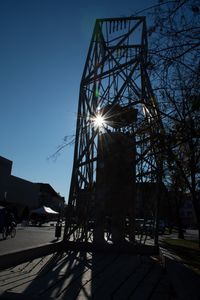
(44, 210)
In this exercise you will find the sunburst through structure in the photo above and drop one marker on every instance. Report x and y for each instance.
(99, 121)
(116, 147)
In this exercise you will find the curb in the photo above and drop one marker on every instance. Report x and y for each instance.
(13, 259)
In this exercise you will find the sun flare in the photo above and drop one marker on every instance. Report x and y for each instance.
(99, 121)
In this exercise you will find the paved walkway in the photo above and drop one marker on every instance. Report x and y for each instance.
(86, 276)
(81, 275)
(28, 237)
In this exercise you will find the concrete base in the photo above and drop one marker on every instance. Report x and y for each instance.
(15, 258)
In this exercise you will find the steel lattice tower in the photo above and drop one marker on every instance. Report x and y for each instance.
(116, 109)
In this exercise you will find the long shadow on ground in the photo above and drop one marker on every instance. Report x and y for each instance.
(81, 275)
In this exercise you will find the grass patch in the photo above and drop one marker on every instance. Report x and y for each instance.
(187, 250)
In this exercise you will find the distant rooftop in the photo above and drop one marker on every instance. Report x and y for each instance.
(5, 160)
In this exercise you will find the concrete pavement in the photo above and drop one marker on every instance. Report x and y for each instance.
(81, 275)
(27, 237)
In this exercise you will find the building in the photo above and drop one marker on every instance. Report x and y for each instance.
(22, 195)
(187, 212)
(49, 197)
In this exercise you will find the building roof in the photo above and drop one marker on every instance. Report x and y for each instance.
(5, 159)
(48, 187)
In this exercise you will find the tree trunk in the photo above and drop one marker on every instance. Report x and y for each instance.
(196, 206)
(178, 217)
(199, 235)
(179, 223)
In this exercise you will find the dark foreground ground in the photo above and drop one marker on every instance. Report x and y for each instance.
(87, 276)
(81, 275)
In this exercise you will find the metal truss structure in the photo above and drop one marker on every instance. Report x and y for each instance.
(116, 102)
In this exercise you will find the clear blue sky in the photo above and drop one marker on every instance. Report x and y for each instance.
(43, 46)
